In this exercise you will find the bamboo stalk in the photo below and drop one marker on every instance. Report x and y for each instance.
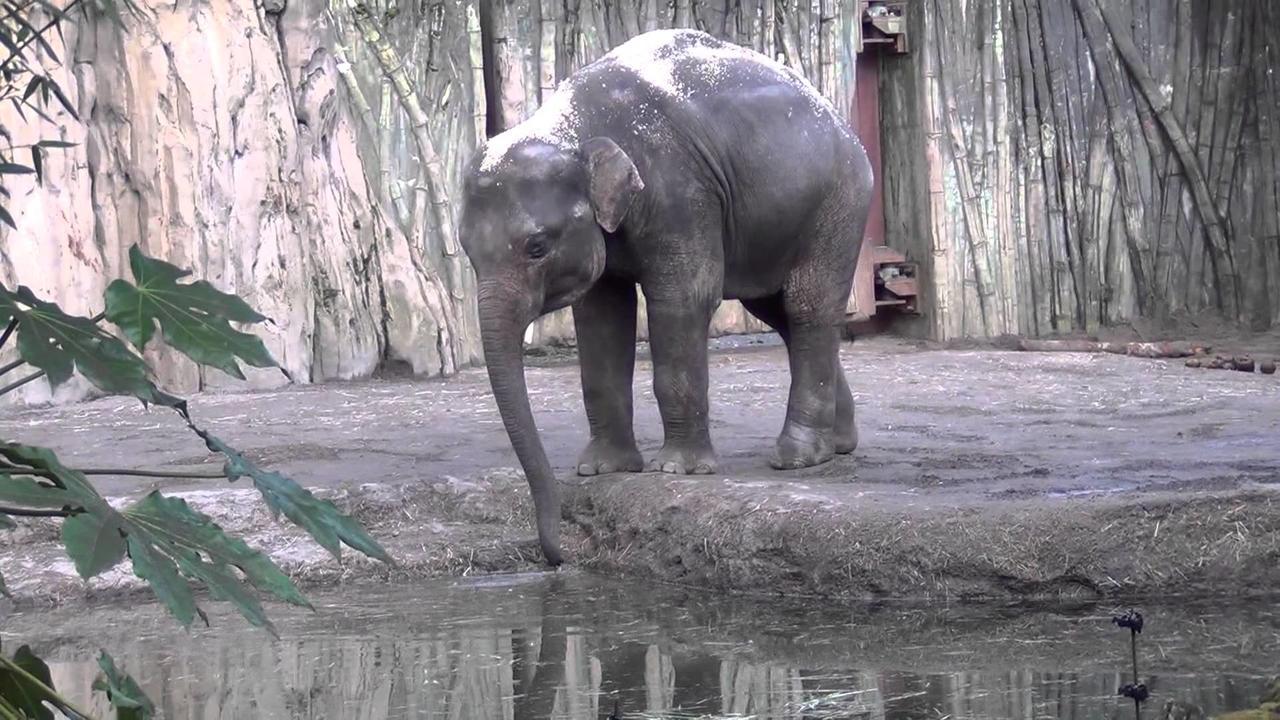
(1054, 107)
(1225, 285)
(547, 23)
(1131, 206)
(1063, 283)
(826, 50)
(393, 69)
(979, 247)
(1005, 193)
(568, 34)
(475, 52)
(941, 248)
(1039, 259)
(769, 27)
(794, 57)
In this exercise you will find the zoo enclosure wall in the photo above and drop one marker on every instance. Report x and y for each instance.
(1049, 165)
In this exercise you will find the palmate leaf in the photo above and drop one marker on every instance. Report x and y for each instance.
(94, 541)
(30, 493)
(68, 486)
(123, 691)
(167, 540)
(321, 518)
(195, 318)
(94, 538)
(59, 344)
(181, 536)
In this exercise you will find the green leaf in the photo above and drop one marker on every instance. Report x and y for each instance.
(195, 318)
(59, 344)
(26, 683)
(63, 100)
(95, 542)
(37, 163)
(204, 551)
(165, 538)
(160, 572)
(4, 589)
(123, 691)
(7, 219)
(321, 518)
(28, 492)
(25, 458)
(9, 168)
(56, 144)
(32, 86)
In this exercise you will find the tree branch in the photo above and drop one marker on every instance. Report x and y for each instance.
(24, 512)
(154, 473)
(19, 383)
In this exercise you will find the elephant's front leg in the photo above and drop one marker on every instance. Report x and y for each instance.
(678, 328)
(605, 322)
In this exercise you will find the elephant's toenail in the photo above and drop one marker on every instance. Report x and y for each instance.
(606, 468)
(585, 469)
(670, 467)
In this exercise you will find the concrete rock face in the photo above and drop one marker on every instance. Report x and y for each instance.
(217, 136)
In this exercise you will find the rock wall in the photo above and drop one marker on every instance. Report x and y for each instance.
(217, 136)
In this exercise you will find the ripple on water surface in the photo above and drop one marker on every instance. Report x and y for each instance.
(577, 647)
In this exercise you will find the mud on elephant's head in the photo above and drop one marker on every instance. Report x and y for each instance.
(533, 224)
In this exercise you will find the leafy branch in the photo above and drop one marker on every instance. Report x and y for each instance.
(165, 539)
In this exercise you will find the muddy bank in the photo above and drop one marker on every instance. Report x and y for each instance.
(980, 474)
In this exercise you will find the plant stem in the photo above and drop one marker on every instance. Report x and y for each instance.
(19, 383)
(1133, 644)
(129, 473)
(62, 703)
(24, 512)
(13, 325)
(4, 369)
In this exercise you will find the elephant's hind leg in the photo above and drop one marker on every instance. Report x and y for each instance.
(605, 322)
(844, 437)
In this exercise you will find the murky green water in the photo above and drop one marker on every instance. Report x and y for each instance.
(572, 646)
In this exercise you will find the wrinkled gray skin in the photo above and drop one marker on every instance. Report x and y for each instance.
(723, 178)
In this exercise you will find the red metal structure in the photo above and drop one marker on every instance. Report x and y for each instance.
(884, 282)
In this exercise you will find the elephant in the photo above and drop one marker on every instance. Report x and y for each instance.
(698, 171)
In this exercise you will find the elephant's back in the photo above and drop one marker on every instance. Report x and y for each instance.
(692, 68)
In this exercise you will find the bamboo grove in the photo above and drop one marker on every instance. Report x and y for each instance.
(1053, 165)
(1098, 161)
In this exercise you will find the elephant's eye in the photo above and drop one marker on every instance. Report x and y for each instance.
(537, 247)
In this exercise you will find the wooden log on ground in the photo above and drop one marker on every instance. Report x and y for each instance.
(1166, 349)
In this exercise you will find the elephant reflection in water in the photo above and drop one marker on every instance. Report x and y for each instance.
(561, 677)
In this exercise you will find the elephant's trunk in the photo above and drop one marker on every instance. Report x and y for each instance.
(503, 319)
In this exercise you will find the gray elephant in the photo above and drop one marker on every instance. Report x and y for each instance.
(699, 171)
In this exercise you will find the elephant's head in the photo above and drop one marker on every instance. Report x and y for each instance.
(533, 224)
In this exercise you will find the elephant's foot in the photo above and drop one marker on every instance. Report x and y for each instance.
(846, 436)
(801, 447)
(684, 459)
(601, 457)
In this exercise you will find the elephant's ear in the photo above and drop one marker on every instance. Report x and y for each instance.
(614, 181)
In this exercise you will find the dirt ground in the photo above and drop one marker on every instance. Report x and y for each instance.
(981, 473)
